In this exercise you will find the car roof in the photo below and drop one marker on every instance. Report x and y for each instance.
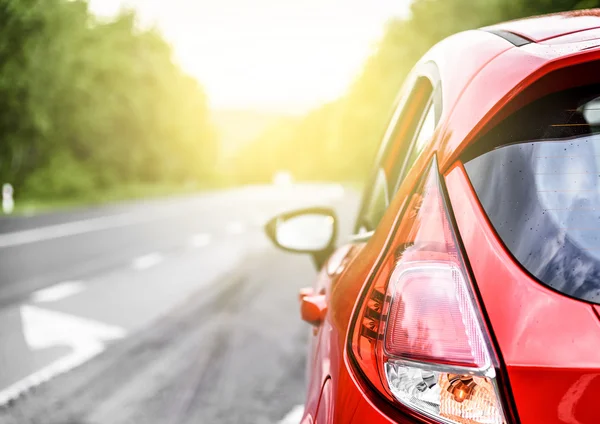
(493, 67)
(543, 28)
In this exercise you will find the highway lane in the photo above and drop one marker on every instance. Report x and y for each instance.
(41, 251)
(175, 311)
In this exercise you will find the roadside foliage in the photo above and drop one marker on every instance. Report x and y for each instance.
(87, 104)
(339, 141)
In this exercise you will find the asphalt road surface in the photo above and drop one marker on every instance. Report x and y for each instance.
(168, 311)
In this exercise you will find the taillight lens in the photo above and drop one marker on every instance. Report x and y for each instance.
(419, 337)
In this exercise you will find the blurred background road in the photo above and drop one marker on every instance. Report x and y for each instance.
(165, 311)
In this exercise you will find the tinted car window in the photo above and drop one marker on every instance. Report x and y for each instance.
(378, 202)
(397, 146)
(426, 130)
(542, 193)
(425, 134)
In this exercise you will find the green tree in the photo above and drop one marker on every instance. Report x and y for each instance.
(86, 105)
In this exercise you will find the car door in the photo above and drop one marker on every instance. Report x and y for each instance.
(410, 128)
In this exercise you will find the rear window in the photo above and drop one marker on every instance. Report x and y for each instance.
(539, 183)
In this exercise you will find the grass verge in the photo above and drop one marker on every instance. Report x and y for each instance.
(26, 206)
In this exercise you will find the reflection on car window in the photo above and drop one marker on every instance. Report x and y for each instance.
(378, 202)
(306, 232)
(591, 112)
(423, 137)
(425, 134)
(405, 139)
(543, 198)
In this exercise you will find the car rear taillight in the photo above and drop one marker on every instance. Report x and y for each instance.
(419, 337)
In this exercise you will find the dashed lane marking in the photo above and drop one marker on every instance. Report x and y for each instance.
(58, 292)
(200, 240)
(50, 232)
(147, 261)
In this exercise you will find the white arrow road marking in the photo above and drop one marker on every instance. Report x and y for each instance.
(58, 292)
(200, 240)
(147, 261)
(44, 328)
(294, 416)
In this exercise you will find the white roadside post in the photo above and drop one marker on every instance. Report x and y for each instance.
(283, 179)
(8, 203)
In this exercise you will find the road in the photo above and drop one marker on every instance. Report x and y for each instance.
(166, 311)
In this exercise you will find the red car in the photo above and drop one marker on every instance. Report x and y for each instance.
(470, 290)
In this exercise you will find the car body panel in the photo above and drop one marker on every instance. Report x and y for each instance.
(454, 79)
(577, 37)
(330, 359)
(543, 28)
(324, 341)
(348, 402)
(546, 339)
(499, 69)
(325, 408)
(553, 52)
(512, 300)
(502, 79)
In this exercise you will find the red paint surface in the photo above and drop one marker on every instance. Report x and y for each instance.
(548, 343)
(551, 26)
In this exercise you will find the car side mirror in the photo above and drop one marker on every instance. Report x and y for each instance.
(312, 231)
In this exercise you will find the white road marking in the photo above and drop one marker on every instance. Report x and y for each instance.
(200, 240)
(294, 416)
(50, 232)
(147, 261)
(235, 227)
(58, 292)
(44, 328)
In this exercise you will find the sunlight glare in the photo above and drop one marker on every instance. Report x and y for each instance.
(268, 54)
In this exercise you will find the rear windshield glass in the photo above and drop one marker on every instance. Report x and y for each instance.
(540, 187)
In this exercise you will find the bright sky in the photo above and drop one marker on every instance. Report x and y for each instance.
(285, 55)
